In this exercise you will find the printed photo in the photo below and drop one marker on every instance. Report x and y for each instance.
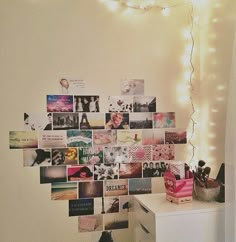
(129, 137)
(81, 207)
(116, 154)
(90, 223)
(64, 121)
(116, 221)
(132, 87)
(164, 120)
(158, 136)
(120, 104)
(86, 104)
(37, 121)
(51, 174)
(71, 86)
(117, 121)
(59, 103)
(106, 171)
(77, 173)
(115, 187)
(104, 137)
(140, 186)
(111, 204)
(176, 136)
(64, 190)
(130, 170)
(163, 152)
(144, 104)
(23, 139)
(91, 120)
(65, 156)
(126, 204)
(79, 138)
(154, 168)
(52, 139)
(91, 155)
(140, 153)
(90, 189)
(148, 137)
(140, 120)
(37, 157)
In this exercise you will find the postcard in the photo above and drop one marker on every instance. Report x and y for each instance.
(80, 172)
(154, 168)
(130, 170)
(140, 120)
(71, 86)
(164, 120)
(86, 104)
(37, 121)
(163, 152)
(23, 139)
(64, 190)
(176, 136)
(37, 157)
(52, 139)
(106, 171)
(120, 104)
(117, 121)
(64, 121)
(132, 87)
(50, 174)
(129, 137)
(116, 154)
(104, 137)
(153, 136)
(90, 189)
(144, 104)
(116, 221)
(64, 156)
(79, 138)
(140, 153)
(81, 207)
(115, 187)
(90, 223)
(59, 103)
(91, 120)
(140, 186)
(91, 155)
(126, 204)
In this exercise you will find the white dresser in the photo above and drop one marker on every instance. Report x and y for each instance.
(158, 220)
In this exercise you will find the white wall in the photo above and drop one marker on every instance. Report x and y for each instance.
(42, 41)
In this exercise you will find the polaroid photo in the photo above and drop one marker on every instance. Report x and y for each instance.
(91, 155)
(71, 86)
(52, 139)
(86, 104)
(37, 121)
(140, 153)
(23, 139)
(64, 191)
(120, 104)
(116, 221)
(116, 154)
(104, 137)
(117, 121)
(130, 170)
(36, 157)
(164, 120)
(90, 223)
(140, 186)
(65, 121)
(176, 136)
(90, 189)
(51, 174)
(129, 137)
(163, 152)
(106, 171)
(64, 156)
(132, 87)
(144, 104)
(79, 138)
(91, 121)
(81, 207)
(80, 172)
(140, 120)
(115, 187)
(59, 103)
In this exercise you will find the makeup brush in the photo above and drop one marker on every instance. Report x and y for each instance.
(201, 163)
(206, 174)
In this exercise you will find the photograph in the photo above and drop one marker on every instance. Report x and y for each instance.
(116, 154)
(36, 157)
(116, 221)
(140, 186)
(111, 204)
(51, 174)
(130, 170)
(90, 189)
(148, 137)
(64, 156)
(164, 120)
(132, 87)
(59, 103)
(81, 207)
(64, 191)
(144, 104)
(86, 104)
(117, 121)
(104, 137)
(91, 155)
(91, 120)
(163, 152)
(23, 139)
(129, 137)
(115, 187)
(80, 172)
(140, 120)
(120, 104)
(37, 121)
(79, 138)
(71, 86)
(126, 204)
(176, 136)
(154, 168)
(106, 171)
(140, 153)
(90, 223)
(64, 121)
(52, 139)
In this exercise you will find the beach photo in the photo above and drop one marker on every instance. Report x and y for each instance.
(64, 190)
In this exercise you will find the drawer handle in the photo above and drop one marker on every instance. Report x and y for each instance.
(144, 229)
(144, 209)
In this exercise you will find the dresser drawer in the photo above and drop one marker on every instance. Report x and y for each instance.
(142, 234)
